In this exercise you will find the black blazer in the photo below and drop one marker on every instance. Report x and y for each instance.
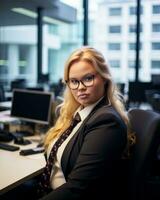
(90, 161)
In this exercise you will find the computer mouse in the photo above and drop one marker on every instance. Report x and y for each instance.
(41, 144)
(19, 140)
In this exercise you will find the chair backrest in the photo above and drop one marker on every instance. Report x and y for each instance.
(18, 83)
(146, 124)
(2, 94)
(136, 91)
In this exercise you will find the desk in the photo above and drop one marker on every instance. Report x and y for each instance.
(16, 169)
(6, 104)
(5, 117)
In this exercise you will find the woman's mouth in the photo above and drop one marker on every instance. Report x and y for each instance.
(82, 96)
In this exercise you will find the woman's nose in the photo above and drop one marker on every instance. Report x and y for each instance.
(81, 85)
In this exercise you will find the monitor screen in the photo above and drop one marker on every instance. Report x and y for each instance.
(155, 79)
(33, 106)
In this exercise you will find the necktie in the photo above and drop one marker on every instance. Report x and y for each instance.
(45, 179)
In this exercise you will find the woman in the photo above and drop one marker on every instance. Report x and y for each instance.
(86, 164)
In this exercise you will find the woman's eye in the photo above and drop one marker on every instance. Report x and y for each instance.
(88, 78)
(74, 81)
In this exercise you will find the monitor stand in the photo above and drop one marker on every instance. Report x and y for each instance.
(26, 129)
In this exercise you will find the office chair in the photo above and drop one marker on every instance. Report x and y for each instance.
(121, 87)
(55, 110)
(2, 94)
(153, 98)
(18, 83)
(146, 124)
(136, 93)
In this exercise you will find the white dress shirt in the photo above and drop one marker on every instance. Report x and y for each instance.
(57, 178)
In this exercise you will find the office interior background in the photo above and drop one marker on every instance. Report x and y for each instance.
(36, 37)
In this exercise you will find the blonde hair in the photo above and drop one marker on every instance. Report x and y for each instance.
(70, 105)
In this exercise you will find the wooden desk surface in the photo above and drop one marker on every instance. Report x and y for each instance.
(16, 169)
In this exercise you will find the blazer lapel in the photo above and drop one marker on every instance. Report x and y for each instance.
(72, 142)
(68, 150)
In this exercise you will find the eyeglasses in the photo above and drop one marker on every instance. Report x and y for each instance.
(87, 81)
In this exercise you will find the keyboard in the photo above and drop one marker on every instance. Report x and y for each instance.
(8, 147)
(27, 152)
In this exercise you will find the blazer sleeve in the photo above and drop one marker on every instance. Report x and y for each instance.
(104, 142)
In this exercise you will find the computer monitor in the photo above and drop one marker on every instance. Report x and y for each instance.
(35, 88)
(155, 79)
(44, 78)
(32, 106)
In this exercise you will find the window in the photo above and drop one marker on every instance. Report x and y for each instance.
(133, 10)
(52, 63)
(91, 31)
(115, 29)
(156, 9)
(155, 45)
(114, 63)
(114, 46)
(132, 46)
(20, 38)
(155, 28)
(131, 64)
(132, 28)
(3, 62)
(155, 64)
(115, 11)
(53, 29)
(23, 68)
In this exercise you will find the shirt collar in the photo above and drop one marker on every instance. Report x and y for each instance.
(86, 111)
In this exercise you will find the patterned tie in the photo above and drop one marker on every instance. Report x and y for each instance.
(45, 179)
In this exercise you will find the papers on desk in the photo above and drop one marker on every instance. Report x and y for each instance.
(6, 118)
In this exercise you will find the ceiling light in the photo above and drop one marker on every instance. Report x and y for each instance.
(24, 11)
(32, 14)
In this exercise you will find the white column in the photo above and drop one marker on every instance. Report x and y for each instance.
(146, 43)
(13, 61)
(124, 46)
(45, 60)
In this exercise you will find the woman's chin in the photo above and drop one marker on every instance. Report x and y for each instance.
(84, 103)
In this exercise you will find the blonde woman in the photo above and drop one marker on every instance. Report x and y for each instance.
(86, 164)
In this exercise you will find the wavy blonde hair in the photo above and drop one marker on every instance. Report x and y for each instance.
(70, 105)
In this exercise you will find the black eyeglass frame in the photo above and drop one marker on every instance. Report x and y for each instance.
(81, 81)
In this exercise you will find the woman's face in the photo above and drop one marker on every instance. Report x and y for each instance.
(88, 83)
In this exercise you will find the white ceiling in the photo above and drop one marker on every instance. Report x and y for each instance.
(51, 8)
